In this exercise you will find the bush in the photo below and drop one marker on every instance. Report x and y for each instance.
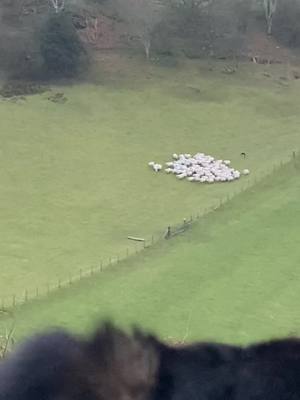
(19, 88)
(61, 49)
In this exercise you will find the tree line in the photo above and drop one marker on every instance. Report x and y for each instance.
(41, 38)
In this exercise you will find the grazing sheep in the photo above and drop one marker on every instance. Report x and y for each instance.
(151, 163)
(181, 176)
(157, 167)
(236, 174)
(200, 166)
(246, 172)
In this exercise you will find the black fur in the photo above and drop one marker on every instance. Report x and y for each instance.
(267, 371)
(59, 366)
(112, 365)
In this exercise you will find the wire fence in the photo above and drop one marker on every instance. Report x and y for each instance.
(8, 303)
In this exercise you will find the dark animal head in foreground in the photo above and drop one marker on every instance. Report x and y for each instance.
(59, 366)
(112, 365)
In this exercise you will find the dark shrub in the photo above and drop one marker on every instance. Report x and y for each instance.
(61, 49)
(20, 88)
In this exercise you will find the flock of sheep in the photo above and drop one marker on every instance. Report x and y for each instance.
(200, 168)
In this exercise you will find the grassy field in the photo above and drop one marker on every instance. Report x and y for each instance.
(233, 276)
(74, 181)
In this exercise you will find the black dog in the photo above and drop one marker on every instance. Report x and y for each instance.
(112, 365)
(59, 366)
(267, 371)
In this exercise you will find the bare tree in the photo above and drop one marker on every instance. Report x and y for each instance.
(58, 5)
(142, 17)
(270, 7)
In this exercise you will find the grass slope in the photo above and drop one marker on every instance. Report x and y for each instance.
(74, 180)
(233, 276)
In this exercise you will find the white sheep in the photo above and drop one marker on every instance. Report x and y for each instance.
(246, 172)
(169, 164)
(236, 174)
(151, 163)
(181, 176)
(200, 168)
(157, 167)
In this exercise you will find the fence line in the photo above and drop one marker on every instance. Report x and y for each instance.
(10, 302)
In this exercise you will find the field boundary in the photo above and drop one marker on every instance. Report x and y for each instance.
(8, 303)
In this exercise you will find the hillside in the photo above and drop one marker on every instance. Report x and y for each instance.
(68, 178)
(232, 277)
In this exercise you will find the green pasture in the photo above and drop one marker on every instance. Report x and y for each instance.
(74, 180)
(233, 276)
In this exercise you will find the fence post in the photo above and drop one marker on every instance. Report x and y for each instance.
(101, 266)
(37, 292)
(152, 240)
(127, 252)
